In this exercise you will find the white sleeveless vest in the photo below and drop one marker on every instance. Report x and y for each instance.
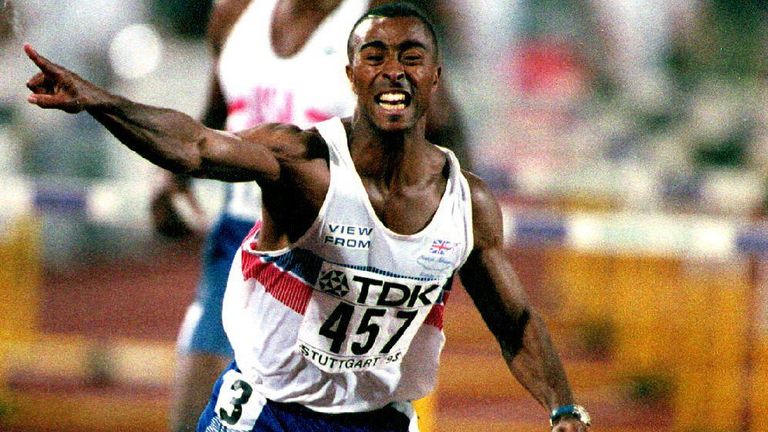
(349, 318)
(260, 87)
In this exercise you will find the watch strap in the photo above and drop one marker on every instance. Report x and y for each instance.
(572, 410)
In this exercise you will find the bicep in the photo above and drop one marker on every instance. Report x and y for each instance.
(254, 154)
(488, 275)
(491, 281)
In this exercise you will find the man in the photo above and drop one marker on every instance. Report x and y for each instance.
(283, 38)
(335, 313)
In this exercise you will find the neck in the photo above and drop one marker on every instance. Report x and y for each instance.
(389, 156)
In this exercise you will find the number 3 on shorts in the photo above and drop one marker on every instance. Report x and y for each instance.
(232, 403)
(232, 413)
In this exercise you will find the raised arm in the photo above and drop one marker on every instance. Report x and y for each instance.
(492, 283)
(167, 138)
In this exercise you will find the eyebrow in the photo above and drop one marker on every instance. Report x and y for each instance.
(373, 44)
(410, 43)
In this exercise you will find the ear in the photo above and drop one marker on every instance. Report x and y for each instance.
(436, 80)
(348, 70)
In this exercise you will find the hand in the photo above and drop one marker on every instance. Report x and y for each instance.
(57, 87)
(569, 424)
(171, 195)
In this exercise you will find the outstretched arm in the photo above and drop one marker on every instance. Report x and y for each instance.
(492, 283)
(167, 138)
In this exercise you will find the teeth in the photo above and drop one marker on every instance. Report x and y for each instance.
(392, 97)
(392, 101)
(393, 107)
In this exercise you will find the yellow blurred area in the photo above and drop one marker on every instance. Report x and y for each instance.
(684, 324)
(20, 277)
(425, 409)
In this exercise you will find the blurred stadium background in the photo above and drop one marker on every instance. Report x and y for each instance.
(628, 140)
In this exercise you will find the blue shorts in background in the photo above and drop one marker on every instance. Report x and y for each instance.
(202, 331)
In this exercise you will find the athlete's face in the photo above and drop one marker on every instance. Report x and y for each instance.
(393, 71)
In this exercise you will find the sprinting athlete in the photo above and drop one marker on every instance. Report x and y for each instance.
(335, 311)
(263, 50)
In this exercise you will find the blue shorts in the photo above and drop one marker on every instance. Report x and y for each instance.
(202, 330)
(263, 415)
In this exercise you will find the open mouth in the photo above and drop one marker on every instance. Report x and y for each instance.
(393, 100)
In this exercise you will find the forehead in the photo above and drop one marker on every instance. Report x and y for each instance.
(392, 31)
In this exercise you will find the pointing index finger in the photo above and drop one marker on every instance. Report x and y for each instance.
(44, 64)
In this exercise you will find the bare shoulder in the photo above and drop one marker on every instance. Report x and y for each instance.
(487, 220)
(223, 17)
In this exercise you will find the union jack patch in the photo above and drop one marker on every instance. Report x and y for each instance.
(439, 247)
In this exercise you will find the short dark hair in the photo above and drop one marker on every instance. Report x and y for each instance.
(395, 10)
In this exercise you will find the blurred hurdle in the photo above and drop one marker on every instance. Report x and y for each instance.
(19, 293)
(679, 297)
(19, 282)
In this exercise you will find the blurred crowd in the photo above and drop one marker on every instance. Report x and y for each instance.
(641, 104)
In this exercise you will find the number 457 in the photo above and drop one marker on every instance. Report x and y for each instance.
(336, 326)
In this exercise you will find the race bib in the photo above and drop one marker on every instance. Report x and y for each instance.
(359, 320)
(238, 405)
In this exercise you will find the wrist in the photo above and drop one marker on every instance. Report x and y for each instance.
(99, 100)
(569, 411)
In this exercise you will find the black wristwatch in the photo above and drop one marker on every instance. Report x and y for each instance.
(574, 411)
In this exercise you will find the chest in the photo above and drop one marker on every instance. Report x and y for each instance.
(405, 210)
(417, 232)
